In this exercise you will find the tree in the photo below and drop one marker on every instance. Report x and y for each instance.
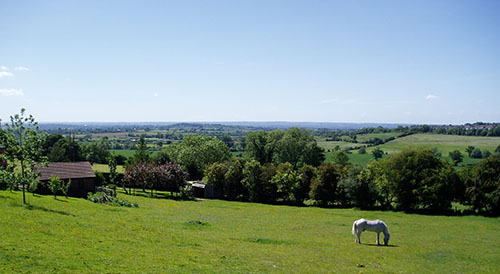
(97, 152)
(113, 174)
(482, 183)
(64, 150)
(340, 157)
(256, 181)
(233, 185)
(23, 146)
(287, 180)
(497, 150)
(377, 153)
(456, 157)
(417, 179)
(362, 150)
(307, 173)
(324, 186)
(141, 151)
(356, 189)
(215, 175)
(476, 153)
(196, 152)
(469, 150)
(55, 185)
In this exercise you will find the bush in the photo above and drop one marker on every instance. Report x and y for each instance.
(104, 195)
(476, 154)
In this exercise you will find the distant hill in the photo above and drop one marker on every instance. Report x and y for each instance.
(266, 125)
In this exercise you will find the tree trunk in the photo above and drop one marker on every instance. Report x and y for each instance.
(22, 182)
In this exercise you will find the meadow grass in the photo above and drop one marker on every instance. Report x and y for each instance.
(213, 236)
(383, 136)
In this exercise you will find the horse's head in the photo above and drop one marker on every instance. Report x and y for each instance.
(387, 236)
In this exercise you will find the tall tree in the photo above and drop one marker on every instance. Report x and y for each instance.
(141, 151)
(23, 146)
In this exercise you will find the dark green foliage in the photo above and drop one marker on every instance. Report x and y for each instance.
(295, 146)
(97, 152)
(307, 174)
(196, 152)
(497, 150)
(324, 186)
(256, 179)
(483, 186)
(362, 150)
(233, 181)
(357, 190)
(377, 153)
(215, 175)
(476, 153)
(456, 157)
(55, 184)
(340, 157)
(417, 179)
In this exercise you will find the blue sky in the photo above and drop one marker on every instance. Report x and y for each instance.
(435, 62)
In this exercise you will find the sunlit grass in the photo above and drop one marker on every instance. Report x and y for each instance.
(218, 236)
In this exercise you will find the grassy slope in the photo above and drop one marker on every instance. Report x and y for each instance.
(79, 236)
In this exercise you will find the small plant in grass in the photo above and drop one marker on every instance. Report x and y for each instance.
(55, 184)
(107, 196)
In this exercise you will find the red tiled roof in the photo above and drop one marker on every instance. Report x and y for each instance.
(66, 170)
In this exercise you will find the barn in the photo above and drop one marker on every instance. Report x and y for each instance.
(82, 177)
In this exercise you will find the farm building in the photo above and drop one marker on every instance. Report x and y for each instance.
(2, 150)
(80, 173)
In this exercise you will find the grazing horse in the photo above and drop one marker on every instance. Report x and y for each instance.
(375, 226)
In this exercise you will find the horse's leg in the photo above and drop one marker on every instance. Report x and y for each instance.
(358, 237)
(378, 238)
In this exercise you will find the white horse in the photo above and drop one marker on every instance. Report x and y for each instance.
(375, 226)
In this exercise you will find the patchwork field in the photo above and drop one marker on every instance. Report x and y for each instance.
(213, 236)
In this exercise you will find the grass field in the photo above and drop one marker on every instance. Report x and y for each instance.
(213, 236)
(383, 136)
(105, 168)
(444, 143)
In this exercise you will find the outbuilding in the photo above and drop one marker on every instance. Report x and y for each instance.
(82, 177)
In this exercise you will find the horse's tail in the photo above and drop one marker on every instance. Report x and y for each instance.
(354, 228)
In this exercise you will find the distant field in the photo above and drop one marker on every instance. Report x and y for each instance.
(330, 145)
(444, 143)
(105, 168)
(383, 136)
(128, 152)
(213, 236)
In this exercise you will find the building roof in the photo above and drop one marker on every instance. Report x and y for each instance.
(66, 170)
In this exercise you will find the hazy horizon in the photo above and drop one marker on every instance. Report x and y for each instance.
(391, 62)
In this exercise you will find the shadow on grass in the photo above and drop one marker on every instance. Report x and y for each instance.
(160, 195)
(6, 197)
(40, 208)
(380, 245)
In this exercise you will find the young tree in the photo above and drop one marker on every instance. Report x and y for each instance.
(23, 146)
(55, 184)
(469, 150)
(456, 157)
(141, 151)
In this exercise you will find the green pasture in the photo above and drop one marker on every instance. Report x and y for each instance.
(213, 236)
(444, 143)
